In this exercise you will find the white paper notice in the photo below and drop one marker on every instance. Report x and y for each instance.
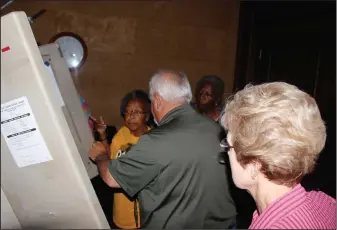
(21, 133)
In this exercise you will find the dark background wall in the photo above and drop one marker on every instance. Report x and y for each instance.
(295, 42)
(129, 40)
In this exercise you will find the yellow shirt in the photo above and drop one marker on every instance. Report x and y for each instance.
(123, 208)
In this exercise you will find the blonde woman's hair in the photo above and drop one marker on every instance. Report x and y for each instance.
(277, 125)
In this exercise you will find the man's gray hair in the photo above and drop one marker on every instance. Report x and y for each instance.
(171, 86)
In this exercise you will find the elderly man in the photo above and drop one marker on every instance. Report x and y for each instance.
(173, 170)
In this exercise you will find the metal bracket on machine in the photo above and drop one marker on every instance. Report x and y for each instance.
(7, 4)
(32, 18)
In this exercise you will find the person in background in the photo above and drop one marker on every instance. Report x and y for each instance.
(208, 96)
(275, 135)
(135, 109)
(173, 169)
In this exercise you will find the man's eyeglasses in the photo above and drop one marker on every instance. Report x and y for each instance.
(225, 147)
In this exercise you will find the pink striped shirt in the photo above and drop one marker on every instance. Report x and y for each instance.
(298, 209)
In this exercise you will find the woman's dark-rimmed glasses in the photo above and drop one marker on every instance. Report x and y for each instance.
(225, 147)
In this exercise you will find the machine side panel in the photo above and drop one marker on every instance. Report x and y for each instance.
(8, 218)
(57, 193)
(72, 109)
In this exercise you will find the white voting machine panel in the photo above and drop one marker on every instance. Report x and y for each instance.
(45, 137)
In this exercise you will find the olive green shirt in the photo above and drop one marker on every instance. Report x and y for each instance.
(174, 172)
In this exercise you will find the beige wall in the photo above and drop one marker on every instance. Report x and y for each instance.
(129, 40)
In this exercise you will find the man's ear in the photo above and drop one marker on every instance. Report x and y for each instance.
(158, 101)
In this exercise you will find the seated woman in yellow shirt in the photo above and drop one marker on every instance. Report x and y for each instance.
(136, 111)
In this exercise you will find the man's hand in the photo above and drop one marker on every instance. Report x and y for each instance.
(98, 153)
(96, 150)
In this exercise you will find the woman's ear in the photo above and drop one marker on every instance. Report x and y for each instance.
(147, 118)
(255, 169)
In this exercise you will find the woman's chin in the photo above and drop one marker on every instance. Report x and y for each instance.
(133, 127)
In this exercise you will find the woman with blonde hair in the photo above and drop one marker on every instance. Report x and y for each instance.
(275, 135)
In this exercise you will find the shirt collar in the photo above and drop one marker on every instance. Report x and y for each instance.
(178, 111)
(285, 204)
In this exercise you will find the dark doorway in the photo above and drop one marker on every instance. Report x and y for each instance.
(293, 42)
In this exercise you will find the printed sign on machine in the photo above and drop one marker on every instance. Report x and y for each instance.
(21, 133)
